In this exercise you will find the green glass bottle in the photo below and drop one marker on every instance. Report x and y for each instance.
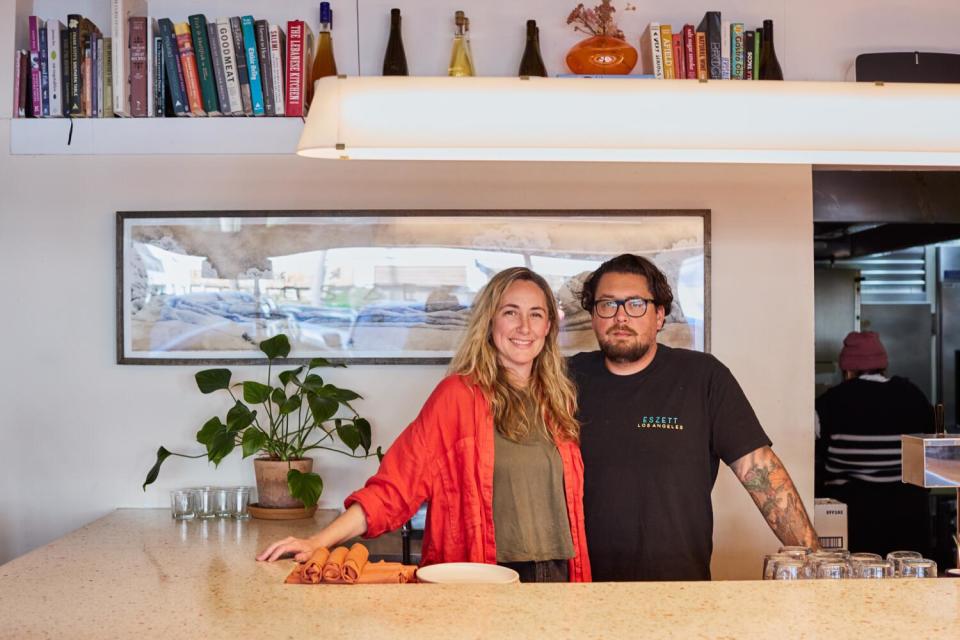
(395, 59)
(531, 64)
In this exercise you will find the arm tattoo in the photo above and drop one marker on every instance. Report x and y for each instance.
(766, 480)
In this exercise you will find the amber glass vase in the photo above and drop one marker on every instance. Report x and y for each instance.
(602, 55)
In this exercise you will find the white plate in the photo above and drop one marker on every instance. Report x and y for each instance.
(467, 573)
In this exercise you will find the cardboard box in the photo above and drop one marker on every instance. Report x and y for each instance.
(830, 521)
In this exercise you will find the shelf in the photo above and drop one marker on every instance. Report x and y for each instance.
(155, 136)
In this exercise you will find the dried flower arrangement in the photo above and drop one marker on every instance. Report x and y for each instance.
(597, 21)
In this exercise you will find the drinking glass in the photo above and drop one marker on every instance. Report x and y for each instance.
(862, 556)
(795, 551)
(896, 557)
(832, 570)
(789, 569)
(875, 569)
(918, 568)
(769, 561)
(203, 502)
(817, 558)
(221, 504)
(181, 505)
(239, 498)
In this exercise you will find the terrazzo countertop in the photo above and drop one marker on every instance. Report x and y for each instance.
(137, 574)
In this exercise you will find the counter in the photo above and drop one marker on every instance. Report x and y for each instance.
(137, 573)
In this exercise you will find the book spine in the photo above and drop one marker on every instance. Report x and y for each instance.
(137, 64)
(690, 51)
(228, 55)
(679, 59)
(277, 64)
(188, 63)
(96, 84)
(106, 104)
(87, 73)
(757, 43)
(736, 50)
(151, 64)
(54, 67)
(261, 33)
(216, 60)
(715, 44)
(159, 84)
(36, 82)
(21, 82)
(65, 70)
(118, 26)
(44, 72)
(294, 106)
(725, 50)
(75, 97)
(205, 73)
(748, 60)
(240, 56)
(703, 55)
(253, 65)
(666, 39)
(171, 62)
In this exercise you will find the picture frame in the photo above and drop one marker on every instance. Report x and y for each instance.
(375, 287)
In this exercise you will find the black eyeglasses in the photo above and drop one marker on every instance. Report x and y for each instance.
(633, 307)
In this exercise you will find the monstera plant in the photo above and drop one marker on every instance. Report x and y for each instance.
(282, 422)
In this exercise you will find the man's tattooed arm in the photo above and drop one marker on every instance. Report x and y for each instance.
(763, 475)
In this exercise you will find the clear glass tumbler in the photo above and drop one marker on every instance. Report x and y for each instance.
(790, 569)
(897, 557)
(238, 499)
(203, 502)
(769, 563)
(875, 569)
(918, 568)
(221, 501)
(832, 570)
(181, 504)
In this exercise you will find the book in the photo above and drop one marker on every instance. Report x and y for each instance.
(204, 62)
(44, 73)
(88, 35)
(240, 55)
(55, 67)
(736, 51)
(137, 67)
(748, 60)
(151, 63)
(171, 64)
(710, 26)
(188, 64)
(703, 66)
(223, 100)
(21, 85)
(158, 84)
(261, 33)
(690, 51)
(679, 58)
(75, 85)
(666, 38)
(65, 70)
(231, 74)
(278, 65)
(757, 44)
(120, 14)
(253, 65)
(100, 44)
(106, 104)
(725, 50)
(651, 51)
(297, 62)
(36, 83)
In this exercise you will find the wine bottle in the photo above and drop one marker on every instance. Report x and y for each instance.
(460, 65)
(324, 63)
(531, 64)
(395, 60)
(769, 65)
(466, 42)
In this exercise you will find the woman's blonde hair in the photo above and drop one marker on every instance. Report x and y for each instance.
(548, 386)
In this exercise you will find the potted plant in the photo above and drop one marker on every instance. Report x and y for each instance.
(283, 423)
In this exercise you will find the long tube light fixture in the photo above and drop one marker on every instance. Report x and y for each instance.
(633, 120)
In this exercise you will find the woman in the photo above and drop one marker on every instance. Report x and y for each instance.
(495, 444)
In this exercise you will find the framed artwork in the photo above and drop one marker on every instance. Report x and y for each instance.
(205, 287)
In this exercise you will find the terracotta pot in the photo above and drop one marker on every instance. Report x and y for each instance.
(272, 488)
(602, 55)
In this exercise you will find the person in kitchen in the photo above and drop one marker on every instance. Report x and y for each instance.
(859, 423)
(656, 421)
(494, 451)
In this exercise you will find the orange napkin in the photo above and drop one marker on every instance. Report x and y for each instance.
(333, 569)
(353, 565)
(311, 572)
(387, 573)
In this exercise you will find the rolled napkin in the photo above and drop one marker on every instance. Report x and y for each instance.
(311, 572)
(333, 569)
(354, 563)
(387, 573)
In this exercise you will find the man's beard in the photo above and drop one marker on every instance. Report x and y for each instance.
(622, 352)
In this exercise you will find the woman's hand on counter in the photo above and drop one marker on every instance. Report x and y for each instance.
(349, 524)
(301, 548)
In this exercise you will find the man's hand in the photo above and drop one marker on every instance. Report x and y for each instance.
(766, 480)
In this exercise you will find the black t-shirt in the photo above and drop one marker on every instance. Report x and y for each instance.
(651, 443)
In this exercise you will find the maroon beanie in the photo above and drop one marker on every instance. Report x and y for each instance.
(863, 351)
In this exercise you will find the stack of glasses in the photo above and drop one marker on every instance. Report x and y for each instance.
(210, 502)
(802, 563)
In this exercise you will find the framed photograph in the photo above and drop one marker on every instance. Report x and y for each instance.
(205, 287)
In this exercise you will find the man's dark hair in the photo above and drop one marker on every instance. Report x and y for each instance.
(629, 263)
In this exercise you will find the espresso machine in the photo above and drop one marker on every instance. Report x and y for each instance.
(933, 460)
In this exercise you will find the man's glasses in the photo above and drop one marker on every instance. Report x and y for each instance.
(633, 307)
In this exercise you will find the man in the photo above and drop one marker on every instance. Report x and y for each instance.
(656, 421)
(858, 449)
